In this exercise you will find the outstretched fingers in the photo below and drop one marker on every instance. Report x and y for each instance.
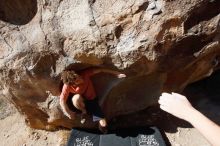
(165, 98)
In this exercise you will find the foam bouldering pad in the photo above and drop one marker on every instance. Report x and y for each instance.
(142, 136)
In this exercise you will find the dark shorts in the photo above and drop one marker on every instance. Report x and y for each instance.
(92, 107)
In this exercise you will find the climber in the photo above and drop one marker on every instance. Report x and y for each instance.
(179, 106)
(84, 99)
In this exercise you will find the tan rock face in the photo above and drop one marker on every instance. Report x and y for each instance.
(161, 45)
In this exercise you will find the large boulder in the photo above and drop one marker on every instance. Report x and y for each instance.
(162, 45)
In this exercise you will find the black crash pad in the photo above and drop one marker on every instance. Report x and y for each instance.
(141, 136)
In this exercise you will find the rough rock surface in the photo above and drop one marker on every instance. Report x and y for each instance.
(162, 45)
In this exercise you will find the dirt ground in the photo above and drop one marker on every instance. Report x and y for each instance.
(204, 95)
(14, 131)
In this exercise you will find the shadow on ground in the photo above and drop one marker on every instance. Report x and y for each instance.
(204, 96)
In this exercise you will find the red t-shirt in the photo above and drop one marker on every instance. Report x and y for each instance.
(86, 89)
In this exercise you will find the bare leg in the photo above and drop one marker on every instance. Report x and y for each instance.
(78, 102)
(103, 122)
(103, 126)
